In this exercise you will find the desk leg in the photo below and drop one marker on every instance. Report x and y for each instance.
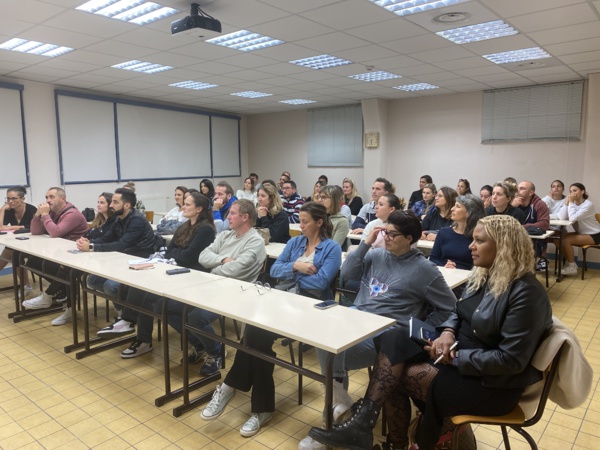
(559, 254)
(187, 386)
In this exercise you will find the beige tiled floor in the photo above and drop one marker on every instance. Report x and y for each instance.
(49, 399)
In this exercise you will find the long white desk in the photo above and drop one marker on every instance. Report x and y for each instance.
(277, 311)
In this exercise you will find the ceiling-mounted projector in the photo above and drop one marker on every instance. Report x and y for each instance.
(198, 24)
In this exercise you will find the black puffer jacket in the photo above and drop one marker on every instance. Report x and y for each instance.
(132, 235)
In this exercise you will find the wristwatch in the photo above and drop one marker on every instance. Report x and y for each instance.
(91, 247)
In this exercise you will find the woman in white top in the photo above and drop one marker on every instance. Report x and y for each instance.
(386, 204)
(556, 199)
(249, 191)
(578, 209)
(171, 221)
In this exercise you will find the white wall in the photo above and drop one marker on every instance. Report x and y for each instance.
(42, 146)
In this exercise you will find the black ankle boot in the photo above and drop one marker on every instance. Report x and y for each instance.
(356, 433)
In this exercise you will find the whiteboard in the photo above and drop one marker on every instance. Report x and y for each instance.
(161, 144)
(225, 147)
(13, 169)
(87, 143)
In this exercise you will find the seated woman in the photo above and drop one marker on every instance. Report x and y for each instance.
(249, 192)
(502, 318)
(351, 197)
(386, 204)
(485, 194)
(15, 214)
(451, 247)
(330, 197)
(193, 236)
(271, 214)
(311, 261)
(580, 210)
(502, 196)
(318, 185)
(555, 199)
(207, 188)
(463, 187)
(174, 218)
(422, 207)
(439, 217)
(104, 219)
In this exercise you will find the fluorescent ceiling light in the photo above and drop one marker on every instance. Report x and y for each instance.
(251, 94)
(141, 66)
(478, 32)
(524, 54)
(34, 47)
(416, 87)
(245, 41)
(321, 62)
(375, 76)
(404, 7)
(139, 12)
(297, 101)
(197, 85)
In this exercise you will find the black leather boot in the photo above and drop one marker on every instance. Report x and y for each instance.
(356, 433)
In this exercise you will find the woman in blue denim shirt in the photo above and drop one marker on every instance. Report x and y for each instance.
(310, 262)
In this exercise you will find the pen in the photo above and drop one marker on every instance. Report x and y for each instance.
(442, 356)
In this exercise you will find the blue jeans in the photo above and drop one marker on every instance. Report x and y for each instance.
(199, 318)
(109, 287)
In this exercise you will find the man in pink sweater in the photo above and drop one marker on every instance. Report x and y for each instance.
(59, 219)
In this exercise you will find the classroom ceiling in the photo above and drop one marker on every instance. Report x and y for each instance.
(356, 30)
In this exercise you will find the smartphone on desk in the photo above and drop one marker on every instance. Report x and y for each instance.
(22, 238)
(176, 271)
(326, 304)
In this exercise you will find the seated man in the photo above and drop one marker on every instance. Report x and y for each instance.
(366, 214)
(238, 253)
(291, 201)
(59, 219)
(131, 234)
(536, 214)
(397, 282)
(223, 200)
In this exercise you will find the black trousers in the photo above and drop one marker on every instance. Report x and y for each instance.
(249, 372)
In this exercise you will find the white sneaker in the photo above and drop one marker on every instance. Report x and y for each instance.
(253, 424)
(217, 404)
(309, 443)
(119, 327)
(569, 269)
(342, 402)
(66, 316)
(40, 302)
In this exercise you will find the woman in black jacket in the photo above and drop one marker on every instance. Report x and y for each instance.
(193, 236)
(499, 323)
(271, 214)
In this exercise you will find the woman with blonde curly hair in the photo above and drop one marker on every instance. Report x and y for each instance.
(499, 323)
(271, 214)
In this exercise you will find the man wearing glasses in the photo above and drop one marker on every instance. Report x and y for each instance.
(238, 253)
(291, 201)
(397, 282)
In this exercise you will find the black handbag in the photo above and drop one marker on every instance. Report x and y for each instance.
(534, 231)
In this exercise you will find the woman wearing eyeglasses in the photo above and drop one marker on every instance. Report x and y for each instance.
(310, 262)
(15, 214)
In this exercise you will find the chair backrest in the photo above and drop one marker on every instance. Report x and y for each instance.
(549, 374)
(598, 218)
(150, 216)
